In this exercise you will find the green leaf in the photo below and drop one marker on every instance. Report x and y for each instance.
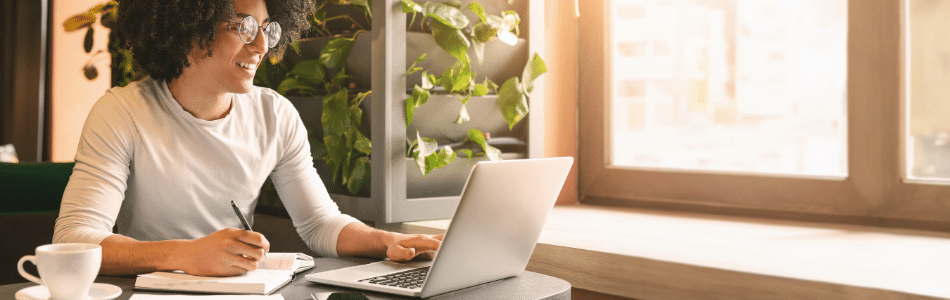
(437, 160)
(511, 18)
(359, 176)
(468, 154)
(363, 144)
(345, 165)
(410, 109)
(427, 82)
(339, 79)
(419, 97)
(335, 52)
(79, 21)
(425, 146)
(512, 102)
(451, 40)
(336, 150)
(423, 95)
(336, 118)
(364, 4)
(479, 90)
(537, 67)
(408, 6)
(412, 68)
(482, 32)
(310, 71)
(477, 137)
(458, 77)
(293, 84)
(89, 40)
(478, 10)
(432, 79)
(317, 149)
(532, 70)
(447, 15)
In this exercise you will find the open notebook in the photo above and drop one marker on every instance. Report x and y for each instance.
(278, 271)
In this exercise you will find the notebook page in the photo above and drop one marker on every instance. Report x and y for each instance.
(296, 262)
(279, 261)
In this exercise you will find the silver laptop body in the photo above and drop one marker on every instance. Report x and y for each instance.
(495, 228)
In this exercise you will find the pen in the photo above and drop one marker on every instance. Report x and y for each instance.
(244, 222)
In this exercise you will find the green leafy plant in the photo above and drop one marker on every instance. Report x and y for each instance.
(340, 143)
(456, 34)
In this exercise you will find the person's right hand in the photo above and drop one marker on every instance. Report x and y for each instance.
(226, 252)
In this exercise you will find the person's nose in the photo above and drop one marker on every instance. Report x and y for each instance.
(259, 44)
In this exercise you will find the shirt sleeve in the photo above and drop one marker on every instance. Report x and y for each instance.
(97, 185)
(317, 218)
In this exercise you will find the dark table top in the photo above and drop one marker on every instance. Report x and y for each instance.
(528, 285)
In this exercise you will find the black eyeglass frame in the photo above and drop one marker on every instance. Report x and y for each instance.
(272, 30)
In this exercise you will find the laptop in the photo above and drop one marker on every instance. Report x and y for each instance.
(491, 236)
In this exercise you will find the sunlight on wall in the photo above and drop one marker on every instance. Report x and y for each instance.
(71, 94)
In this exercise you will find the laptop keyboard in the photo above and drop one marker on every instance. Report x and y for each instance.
(409, 279)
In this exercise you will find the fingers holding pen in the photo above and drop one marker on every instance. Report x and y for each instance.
(255, 244)
(226, 252)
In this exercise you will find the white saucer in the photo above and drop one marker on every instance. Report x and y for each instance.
(98, 291)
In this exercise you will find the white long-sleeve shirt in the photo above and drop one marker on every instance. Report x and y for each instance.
(156, 172)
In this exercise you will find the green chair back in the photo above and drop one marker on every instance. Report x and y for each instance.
(32, 187)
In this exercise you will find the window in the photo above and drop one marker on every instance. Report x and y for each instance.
(854, 127)
(752, 86)
(928, 75)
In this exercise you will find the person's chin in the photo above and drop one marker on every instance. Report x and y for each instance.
(244, 87)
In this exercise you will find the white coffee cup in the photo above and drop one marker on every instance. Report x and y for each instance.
(67, 270)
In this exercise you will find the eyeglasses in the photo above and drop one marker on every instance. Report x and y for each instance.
(248, 29)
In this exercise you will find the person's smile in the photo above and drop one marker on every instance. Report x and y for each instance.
(249, 66)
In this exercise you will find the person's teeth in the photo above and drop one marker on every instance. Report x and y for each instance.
(246, 66)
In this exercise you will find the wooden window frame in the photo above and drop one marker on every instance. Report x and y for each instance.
(873, 193)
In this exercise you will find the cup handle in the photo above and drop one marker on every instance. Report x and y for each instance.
(28, 276)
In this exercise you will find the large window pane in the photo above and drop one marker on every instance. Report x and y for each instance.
(928, 128)
(752, 86)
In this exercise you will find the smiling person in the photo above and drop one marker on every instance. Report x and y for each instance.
(161, 159)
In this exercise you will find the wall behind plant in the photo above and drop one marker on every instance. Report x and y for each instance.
(71, 94)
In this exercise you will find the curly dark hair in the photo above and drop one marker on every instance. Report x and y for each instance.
(161, 33)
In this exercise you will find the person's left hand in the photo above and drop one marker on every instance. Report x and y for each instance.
(405, 247)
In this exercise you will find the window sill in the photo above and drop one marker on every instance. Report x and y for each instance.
(646, 254)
